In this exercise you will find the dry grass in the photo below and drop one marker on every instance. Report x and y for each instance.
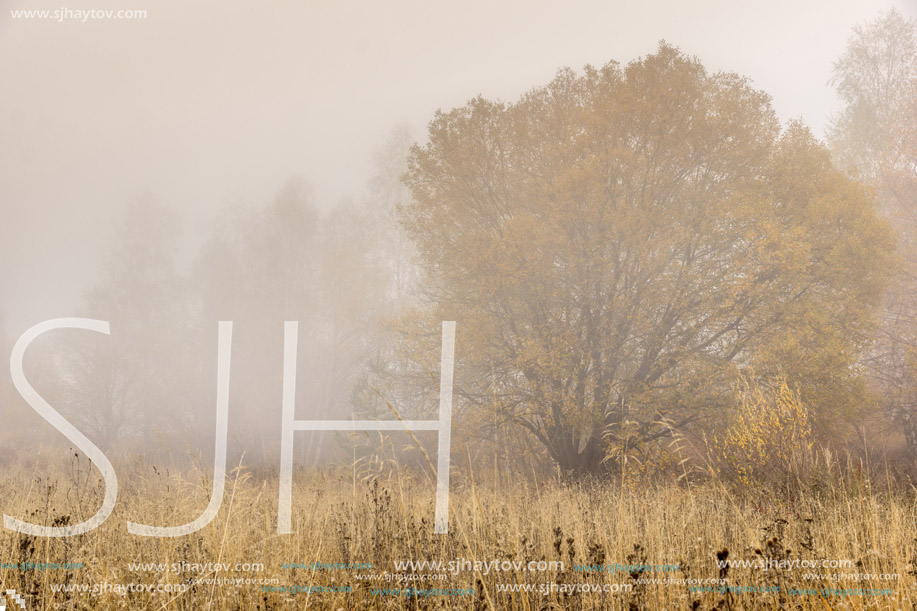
(338, 519)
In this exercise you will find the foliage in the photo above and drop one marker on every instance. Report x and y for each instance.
(615, 243)
(770, 434)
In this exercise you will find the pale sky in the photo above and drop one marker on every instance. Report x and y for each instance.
(207, 102)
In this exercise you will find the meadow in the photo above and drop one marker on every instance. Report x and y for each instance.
(508, 533)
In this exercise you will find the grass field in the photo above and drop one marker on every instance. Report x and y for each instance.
(382, 521)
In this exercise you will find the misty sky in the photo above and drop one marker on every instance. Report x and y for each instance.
(205, 102)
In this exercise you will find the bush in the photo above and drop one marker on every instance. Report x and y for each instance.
(768, 438)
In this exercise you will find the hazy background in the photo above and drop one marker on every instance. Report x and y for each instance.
(207, 103)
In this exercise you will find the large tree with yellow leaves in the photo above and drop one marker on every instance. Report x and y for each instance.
(614, 245)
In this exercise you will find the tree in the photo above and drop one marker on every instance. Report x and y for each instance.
(876, 78)
(285, 261)
(260, 268)
(133, 382)
(392, 248)
(875, 138)
(617, 243)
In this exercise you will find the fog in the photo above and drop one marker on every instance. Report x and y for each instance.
(206, 103)
(217, 161)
